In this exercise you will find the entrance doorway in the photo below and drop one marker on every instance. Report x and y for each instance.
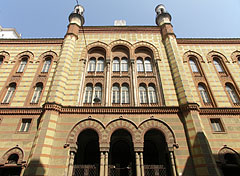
(10, 171)
(121, 157)
(86, 162)
(156, 156)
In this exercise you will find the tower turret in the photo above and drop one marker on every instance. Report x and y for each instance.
(76, 17)
(163, 16)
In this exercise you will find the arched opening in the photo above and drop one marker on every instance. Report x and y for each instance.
(231, 164)
(87, 158)
(155, 154)
(121, 158)
(11, 168)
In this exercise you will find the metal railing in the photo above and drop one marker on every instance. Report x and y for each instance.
(155, 170)
(85, 170)
(118, 171)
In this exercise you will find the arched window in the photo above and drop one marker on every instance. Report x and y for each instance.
(46, 65)
(232, 93)
(100, 65)
(10, 92)
(92, 65)
(88, 94)
(193, 66)
(116, 64)
(238, 59)
(218, 66)
(115, 94)
(98, 93)
(148, 65)
(140, 67)
(22, 65)
(125, 94)
(143, 94)
(37, 93)
(124, 64)
(204, 94)
(152, 94)
(1, 59)
(13, 159)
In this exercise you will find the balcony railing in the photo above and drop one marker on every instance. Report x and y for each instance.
(85, 170)
(155, 170)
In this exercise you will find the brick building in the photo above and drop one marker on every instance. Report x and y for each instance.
(119, 100)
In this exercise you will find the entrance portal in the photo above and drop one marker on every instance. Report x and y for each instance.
(122, 160)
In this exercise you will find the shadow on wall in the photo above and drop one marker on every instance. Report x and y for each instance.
(35, 167)
(227, 160)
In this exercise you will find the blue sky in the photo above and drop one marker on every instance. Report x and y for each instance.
(191, 18)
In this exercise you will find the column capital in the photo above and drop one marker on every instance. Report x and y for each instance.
(108, 61)
(73, 148)
(132, 61)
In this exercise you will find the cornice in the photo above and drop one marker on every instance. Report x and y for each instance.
(20, 111)
(208, 40)
(220, 111)
(57, 41)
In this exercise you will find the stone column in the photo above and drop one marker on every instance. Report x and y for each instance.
(138, 168)
(102, 160)
(141, 163)
(73, 151)
(173, 165)
(106, 164)
(134, 83)
(108, 87)
(81, 85)
(23, 169)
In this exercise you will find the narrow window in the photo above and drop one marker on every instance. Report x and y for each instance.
(37, 93)
(98, 94)
(116, 65)
(13, 159)
(148, 65)
(124, 64)
(88, 94)
(217, 125)
(92, 65)
(115, 94)
(100, 65)
(238, 59)
(46, 65)
(10, 92)
(25, 125)
(125, 94)
(232, 94)
(140, 67)
(204, 94)
(143, 94)
(193, 66)
(152, 94)
(22, 65)
(1, 59)
(218, 66)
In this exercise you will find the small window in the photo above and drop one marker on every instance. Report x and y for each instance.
(46, 65)
(143, 94)
(115, 94)
(218, 65)
(232, 94)
(13, 159)
(116, 65)
(124, 64)
(98, 94)
(25, 125)
(204, 94)
(152, 94)
(238, 59)
(22, 65)
(10, 92)
(217, 125)
(193, 66)
(92, 65)
(125, 94)
(37, 93)
(140, 67)
(148, 65)
(100, 65)
(88, 94)
(1, 59)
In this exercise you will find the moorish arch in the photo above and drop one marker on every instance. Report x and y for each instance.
(6, 55)
(92, 124)
(151, 47)
(161, 126)
(13, 151)
(123, 43)
(235, 55)
(213, 54)
(48, 53)
(28, 54)
(97, 44)
(194, 54)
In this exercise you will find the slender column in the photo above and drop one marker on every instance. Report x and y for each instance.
(23, 169)
(71, 162)
(102, 159)
(106, 164)
(108, 90)
(134, 82)
(138, 169)
(141, 163)
(173, 163)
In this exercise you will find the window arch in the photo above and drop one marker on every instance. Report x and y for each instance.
(143, 94)
(88, 93)
(9, 93)
(97, 93)
(46, 65)
(148, 65)
(22, 65)
(232, 93)
(204, 93)
(1, 59)
(193, 66)
(140, 67)
(218, 65)
(124, 64)
(125, 98)
(115, 94)
(100, 65)
(37, 93)
(13, 159)
(116, 64)
(92, 64)
(152, 94)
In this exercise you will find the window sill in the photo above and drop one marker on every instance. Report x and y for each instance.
(220, 132)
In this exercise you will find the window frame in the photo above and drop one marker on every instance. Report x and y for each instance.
(89, 99)
(116, 65)
(151, 95)
(20, 125)
(22, 67)
(206, 94)
(92, 64)
(38, 94)
(126, 94)
(232, 87)
(221, 124)
(116, 95)
(12, 94)
(145, 95)
(46, 67)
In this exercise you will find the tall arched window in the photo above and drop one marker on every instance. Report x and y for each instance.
(218, 65)
(124, 64)
(88, 94)
(152, 94)
(100, 65)
(115, 94)
(232, 93)
(116, 64)
(143, 94)
(148, 65)
(193, 66)
(204, 94)
(10, 92)
(98, 93)
(1, 59)
(22, 65)
(140, 67)
(46, 65)
(37, 93)
(125, 94)
(92, 65)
